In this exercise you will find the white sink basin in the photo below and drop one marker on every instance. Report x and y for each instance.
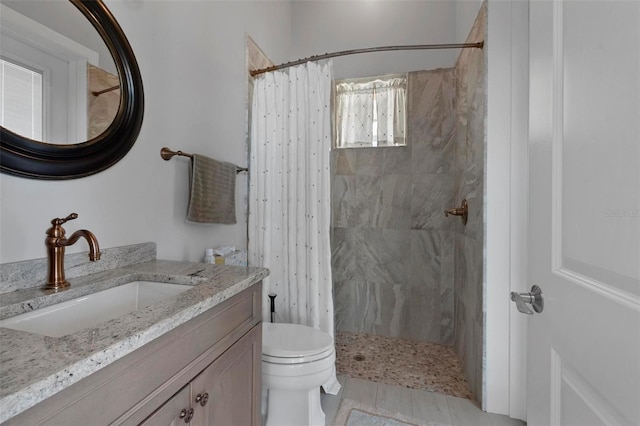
(88, 311)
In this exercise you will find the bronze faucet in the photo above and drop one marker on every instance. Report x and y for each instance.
(462, 211)
(56, 242)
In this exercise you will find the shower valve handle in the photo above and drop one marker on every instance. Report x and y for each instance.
(462, 211)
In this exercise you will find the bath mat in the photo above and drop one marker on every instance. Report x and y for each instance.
(354, 413)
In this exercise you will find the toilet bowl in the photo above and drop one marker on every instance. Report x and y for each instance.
(296, 361)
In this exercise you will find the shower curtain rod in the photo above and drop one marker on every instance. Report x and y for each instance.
(478, 45)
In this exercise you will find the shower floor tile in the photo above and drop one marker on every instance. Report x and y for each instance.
(394, 361)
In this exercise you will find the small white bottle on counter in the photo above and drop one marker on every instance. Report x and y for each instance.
(208, 256)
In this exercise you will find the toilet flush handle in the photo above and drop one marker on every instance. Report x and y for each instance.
(272, 302)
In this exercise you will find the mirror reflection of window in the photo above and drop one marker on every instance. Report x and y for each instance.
(21, 99)
(371, 111)
(57, 40)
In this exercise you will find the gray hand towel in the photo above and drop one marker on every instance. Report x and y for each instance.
(212, 197)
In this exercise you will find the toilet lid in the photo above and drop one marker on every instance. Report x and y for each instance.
(294, 341)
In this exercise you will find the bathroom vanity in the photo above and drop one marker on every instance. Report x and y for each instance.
(192, 358)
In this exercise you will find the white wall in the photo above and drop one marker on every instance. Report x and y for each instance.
(466, 13)
(506, 187)
(192, 59)
(64, 18)
(328, 26)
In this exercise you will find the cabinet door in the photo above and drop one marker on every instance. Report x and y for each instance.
(174, 412)
(228, 391)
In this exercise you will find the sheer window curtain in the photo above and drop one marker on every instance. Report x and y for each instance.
(371, 112)
(289, 194)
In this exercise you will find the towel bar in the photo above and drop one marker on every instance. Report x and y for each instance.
(168, 154)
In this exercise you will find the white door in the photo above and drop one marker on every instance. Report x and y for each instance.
(583, 350)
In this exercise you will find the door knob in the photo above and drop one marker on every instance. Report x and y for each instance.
(533, 298)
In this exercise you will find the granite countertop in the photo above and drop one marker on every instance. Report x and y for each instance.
(35, 367)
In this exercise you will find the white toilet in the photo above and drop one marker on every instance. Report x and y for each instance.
(296, 361)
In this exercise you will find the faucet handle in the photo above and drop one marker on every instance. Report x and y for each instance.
(463, 211)
(58, 221)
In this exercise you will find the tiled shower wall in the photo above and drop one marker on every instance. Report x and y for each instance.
(392, 245)
(400, 268)
(469, 184)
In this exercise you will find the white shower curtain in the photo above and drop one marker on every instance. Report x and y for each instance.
(289, 196)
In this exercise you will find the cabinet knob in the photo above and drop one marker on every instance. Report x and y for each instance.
(187, 415)
(202, 399)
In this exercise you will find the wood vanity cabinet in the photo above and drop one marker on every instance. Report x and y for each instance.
(220, 395)
(204, 372)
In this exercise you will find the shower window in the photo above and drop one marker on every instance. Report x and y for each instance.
(371, 112)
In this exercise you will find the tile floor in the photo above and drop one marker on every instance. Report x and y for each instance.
(419, 404)
(401, 362)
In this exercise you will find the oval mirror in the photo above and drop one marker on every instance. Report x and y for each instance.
(94, 120)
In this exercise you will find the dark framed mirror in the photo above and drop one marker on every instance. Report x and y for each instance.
(26, 157)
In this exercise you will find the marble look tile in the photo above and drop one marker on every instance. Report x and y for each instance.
(396, 160)
(394, 398)
(343, 305)
(431, 196)
(447, 260)
(343, 199)
(344, 161)
(431, 96)
(393, 311)
(423, 308)
(447, 279)
(465, 413)
(470, 359)
(368, 202)
(469, 177)
(383, 255)
(476, 381)
(369, 161)
(460, 326)
(358, 306)
(32, 273)
(395, 203)
(367, 303)
(446, 318)
(433, 153)
(469, 314)
(343, 254)
(426, 254)
(431, 121)
(430, 406)
(396, 318)
(361, 391)
(501, 420)
(388, 310)
(472, 168)
(472, 286)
